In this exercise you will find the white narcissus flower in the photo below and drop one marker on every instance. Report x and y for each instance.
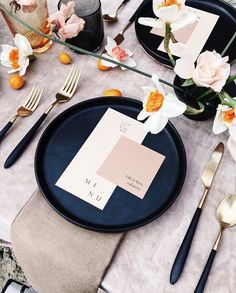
(172, 12)
(159, 107)
(232, 140)
(225, 117)
(16, 58)
(211, 70)
(117, 53)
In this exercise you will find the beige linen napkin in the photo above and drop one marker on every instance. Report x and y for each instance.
(57, 256)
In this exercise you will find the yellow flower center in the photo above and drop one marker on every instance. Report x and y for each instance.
(154, 102)
(14, 58)
(229, 116)
(167, 3)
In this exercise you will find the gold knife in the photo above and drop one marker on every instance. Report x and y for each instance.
(207, 178)
(120, 37)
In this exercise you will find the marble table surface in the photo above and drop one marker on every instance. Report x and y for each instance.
(144, 259)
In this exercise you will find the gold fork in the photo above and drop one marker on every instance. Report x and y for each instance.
(25, 110)
(64, 95)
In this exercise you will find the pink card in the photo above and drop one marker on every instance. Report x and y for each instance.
(131, 166)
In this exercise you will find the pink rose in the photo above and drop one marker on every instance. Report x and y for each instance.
(67, 24)
(211, 70)
(119, 53)
(59, 18)
(71, 28)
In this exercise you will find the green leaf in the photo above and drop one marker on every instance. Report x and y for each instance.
(188, 82)
(193, 111)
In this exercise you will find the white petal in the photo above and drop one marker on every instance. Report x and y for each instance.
(186, 19)
(156, 122)
(130, 62)
(4, 56)
(155, 6)
(24, 67)
(23, 44)
(107, 63)
(155, 79)
(172, 106)
(129, 52)
(184, 67)
(143, 115)
(218, 124)
(152, 22)
(110, 45)
(169, 14)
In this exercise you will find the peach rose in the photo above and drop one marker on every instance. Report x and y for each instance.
(71, 28)
(119, 53)
(211, 70)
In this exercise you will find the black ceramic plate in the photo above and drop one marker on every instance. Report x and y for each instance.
(220, 36)
(63, 138)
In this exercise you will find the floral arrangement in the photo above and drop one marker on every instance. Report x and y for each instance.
(210, 71)
(66, 24)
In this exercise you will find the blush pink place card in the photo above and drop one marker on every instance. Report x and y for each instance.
(80, 177)
(192, 38)
(131, 166)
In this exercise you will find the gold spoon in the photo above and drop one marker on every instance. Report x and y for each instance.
(112, 17)
(226, 214)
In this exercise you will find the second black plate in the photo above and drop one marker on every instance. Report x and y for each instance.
(219, 38)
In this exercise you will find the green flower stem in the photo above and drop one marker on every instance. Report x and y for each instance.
(80, 50)
(228, 45)
(167, 39)
(231, 78)
(231, 101)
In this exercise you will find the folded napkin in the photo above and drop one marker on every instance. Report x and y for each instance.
(57, 256)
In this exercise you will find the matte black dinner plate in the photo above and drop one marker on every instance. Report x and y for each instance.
(219, 38)
(63, 138)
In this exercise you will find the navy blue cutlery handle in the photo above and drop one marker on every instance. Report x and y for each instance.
(22, 145)
(203, 279)
(182, 254)
(136, 13)
(5, 129)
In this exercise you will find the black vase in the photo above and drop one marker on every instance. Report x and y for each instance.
(194, 92)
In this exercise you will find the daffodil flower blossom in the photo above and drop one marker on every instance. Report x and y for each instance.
(16, 58)
(158, 107)
(171, 12)
(117, 53)
(225, 117)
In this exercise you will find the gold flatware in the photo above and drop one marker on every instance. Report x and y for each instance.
(64, 95)
(120, 37)
(112, 17)
(207, 179)
(226, 215)
(25, 110)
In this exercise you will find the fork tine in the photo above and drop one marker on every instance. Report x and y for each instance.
(37, 100)
(68, 77)
(34, 95)
(75, 82)
(70, 82)
(29, 96)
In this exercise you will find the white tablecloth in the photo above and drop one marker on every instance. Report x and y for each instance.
(143, 263)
